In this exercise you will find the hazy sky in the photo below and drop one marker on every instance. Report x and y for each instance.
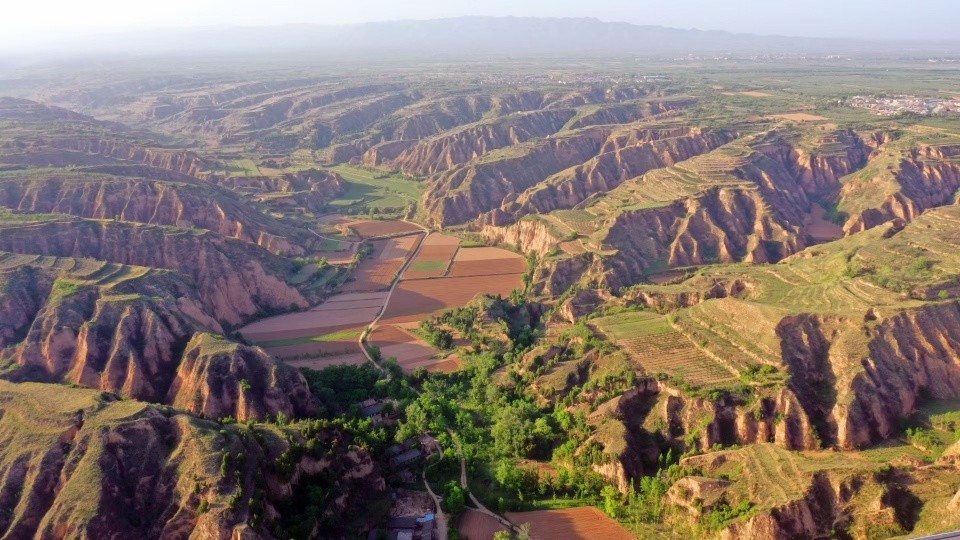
(907, 19)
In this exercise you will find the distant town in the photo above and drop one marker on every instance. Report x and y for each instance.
(892, 105)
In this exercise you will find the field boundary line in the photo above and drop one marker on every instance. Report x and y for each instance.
(386, 301)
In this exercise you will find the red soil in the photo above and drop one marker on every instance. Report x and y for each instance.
(476, 525)
(485, 254)
(307, 323)
(583, 523)
(488, 267)
(376, 272)
(373, 229)
(416, 299)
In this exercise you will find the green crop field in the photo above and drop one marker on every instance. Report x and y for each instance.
(652, 341)
(366, 189)
(428, 266)
(325, 338)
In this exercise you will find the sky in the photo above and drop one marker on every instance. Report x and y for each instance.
(31, 21)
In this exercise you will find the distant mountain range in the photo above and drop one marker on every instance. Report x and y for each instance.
(475, 36)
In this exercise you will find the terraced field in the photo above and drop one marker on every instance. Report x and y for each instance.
(652, 341)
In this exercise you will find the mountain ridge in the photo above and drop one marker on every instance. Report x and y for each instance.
(472, 36)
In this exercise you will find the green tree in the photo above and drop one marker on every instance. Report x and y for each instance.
(513, 431)
(611, 500)
(454, 498)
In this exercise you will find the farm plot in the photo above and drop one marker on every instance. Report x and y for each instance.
(377, 229)
(410, 351)
(325, 362)
(434, 257)
(582, 523)
(417, 299)
(486, 261)
(376, 272)
(424, 291)
(328, 332)
(800, 117)
(476, 525)
(650, 340)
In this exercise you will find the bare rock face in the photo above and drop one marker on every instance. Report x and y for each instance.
(721, 225)
(818, 172)
(311, 189)
(625, 113)
(655, 411)
(25, 110)
(236, 280)
(217, 379)
(129, 344)
(146, 338)
(461, 194)
(22, 295)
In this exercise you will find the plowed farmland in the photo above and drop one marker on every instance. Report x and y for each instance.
(486, 261)
(327, 334)
(378, 270)
(583, 523)
(415, 299)
(429, 286)
(375, 229)
(410, 351)
(434, 257)
(476, 525)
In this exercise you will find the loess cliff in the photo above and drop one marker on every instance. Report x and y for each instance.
(229, 288)
(83, 463)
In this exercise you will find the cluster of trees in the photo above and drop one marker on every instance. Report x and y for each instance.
(435, 335)
(340, 388)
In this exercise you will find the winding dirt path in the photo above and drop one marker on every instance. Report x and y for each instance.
(463, 483)
(386, 302)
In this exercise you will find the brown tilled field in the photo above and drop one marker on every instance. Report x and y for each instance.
(376, 272)
(410, 351)
(487, 268)
(800, 117)
(434, 257)
(373, 229)
(486, 261)
(307, 323)
(413, 300)
(582, 523)
(485, 254)
(476, 525)
(329, 329)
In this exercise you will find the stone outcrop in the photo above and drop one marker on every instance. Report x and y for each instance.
(621, 158)
(926, 178)
(183, 162)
